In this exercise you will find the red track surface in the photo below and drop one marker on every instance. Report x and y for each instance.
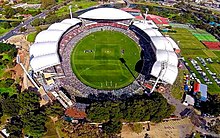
(212, 45)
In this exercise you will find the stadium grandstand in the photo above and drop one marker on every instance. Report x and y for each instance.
(52, 49)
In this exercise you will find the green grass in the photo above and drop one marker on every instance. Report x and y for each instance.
(3, 121)
(3, 31)
(102, 68)
(186, 39)
(76, 5)
(10, 90)
(51, 130)
(31, 36)
(177, 88)
(191, 47)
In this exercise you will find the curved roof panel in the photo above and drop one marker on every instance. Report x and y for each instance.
(169, 74)
(72, 21)
(145, 24)
(168, 56)
(174, 45)
(152, 32)
(43, 48)
(49, 36)
(59, 26)
(42, 62)
(161, 43)
(106, 14)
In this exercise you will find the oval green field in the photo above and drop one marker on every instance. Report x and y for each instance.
(97, 60)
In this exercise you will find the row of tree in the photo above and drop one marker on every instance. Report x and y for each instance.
(139, 108)
(27, 117)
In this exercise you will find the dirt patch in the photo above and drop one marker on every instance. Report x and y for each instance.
(171, 129)
(128, 133)
(23, 50)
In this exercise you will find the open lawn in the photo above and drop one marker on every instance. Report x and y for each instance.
(191, 47)
(51, 130)
(3, 31)
(31, 37)
(96, 60)
(177, 89)
(76, 5)
(186, 39)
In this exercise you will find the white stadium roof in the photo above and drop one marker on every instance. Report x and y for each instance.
(152, 32)
(42, 62)
(168, 56)
(72, 21)
(106, 14)
(145, 24)
(161, 43)
(49, 36)
(59, 26)
(43, 52)
(169, 74)
(43, 48)
(173, 43)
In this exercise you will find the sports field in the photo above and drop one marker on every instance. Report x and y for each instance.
(96, 60)
(191, 47)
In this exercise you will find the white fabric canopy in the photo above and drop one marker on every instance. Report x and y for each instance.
(59, 26)
(43, 48)
(173, 43)
(145, 24)
(161, 43)
(169, 74)
(49, 36)
(42, 62)
(152, 32)
(106, 14)
(167, 56)
(72, 21)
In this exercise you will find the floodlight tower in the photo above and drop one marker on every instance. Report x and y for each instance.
(70, 8)
(162, 71)
(22, 66)
(145, 17)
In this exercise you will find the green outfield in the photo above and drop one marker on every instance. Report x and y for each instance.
(191, 47)
(96, 60)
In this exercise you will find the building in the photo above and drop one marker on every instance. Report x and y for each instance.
(189, 100)
(51, 54)
(75, 114)
(202, 88)
(158, 20)
(135, 12)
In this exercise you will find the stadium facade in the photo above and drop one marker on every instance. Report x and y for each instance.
(50, 53)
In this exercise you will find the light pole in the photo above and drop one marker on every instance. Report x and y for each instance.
(30, 78)
(145, 17)
(70, 8)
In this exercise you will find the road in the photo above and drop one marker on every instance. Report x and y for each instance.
(28, 21)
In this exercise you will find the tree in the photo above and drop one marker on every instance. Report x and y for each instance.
(51, 19)
(5, 25)
(46, 3)
(213, 101)
(14, 127)
(55, 109)
(37, 22)
(137, 127)
(135, 109)
(10, 106)
(23, 29)
(9, 12)
(215, 126)
(34, 124)
(28, 102)
(14, 24)
(112, 127)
